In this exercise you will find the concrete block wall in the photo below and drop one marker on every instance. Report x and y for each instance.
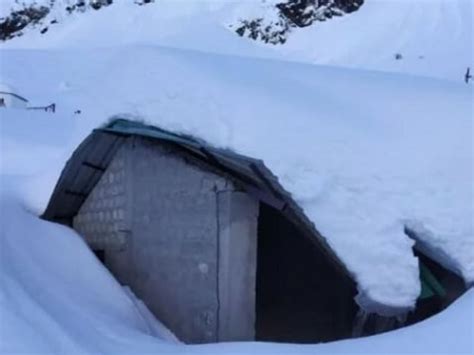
(186, 240)
(175, 240)
(102, 219)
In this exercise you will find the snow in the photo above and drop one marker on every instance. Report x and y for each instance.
(364, 153)
(56, 297)
(434, 37)
(183, 24)
(7, 88)
(367, 39)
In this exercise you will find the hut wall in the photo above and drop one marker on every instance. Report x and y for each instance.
(182, 237)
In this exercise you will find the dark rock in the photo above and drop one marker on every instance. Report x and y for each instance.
(290, 14)
(295, 13)
(12, 25)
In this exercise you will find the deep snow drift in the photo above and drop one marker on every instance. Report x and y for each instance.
(56, 297)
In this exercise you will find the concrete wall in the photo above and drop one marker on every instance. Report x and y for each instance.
(104, 218)
(181, 237)
(238, 219)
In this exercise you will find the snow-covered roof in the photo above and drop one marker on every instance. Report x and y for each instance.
(88, 163)
(10, 90)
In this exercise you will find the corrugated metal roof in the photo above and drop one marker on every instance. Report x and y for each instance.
(81, 173)
(87, 164)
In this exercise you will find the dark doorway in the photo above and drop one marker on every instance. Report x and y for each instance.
(100, 254)
(301, 295)
(439, 288)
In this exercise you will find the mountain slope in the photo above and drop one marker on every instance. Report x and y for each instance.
(430, 37)
(422, 37)
(17, 17)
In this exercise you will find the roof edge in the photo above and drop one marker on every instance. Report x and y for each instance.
(15, 95)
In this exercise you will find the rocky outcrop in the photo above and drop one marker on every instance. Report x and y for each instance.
(277, 21)
(30, 14)
(12, 25)
(294, 13)
(83, 5)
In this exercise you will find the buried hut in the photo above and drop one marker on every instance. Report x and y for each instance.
(213, 244)
(10, 98)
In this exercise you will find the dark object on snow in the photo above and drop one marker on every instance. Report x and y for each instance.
(143, 2)
(303, 13)
(77, 112)
(12, 25)
(294, 13)
(398, 56)
(468, 75)
(49, 108)
(97, 4)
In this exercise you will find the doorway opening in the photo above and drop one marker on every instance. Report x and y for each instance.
(100, 254)
(300, 295)
(439, 288)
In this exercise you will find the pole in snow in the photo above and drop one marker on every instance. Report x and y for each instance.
(468, 75)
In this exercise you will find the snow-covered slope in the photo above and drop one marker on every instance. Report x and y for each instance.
(56, 298)
(429, 37)
(270, 21)
(433, 38)
(183, 24)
